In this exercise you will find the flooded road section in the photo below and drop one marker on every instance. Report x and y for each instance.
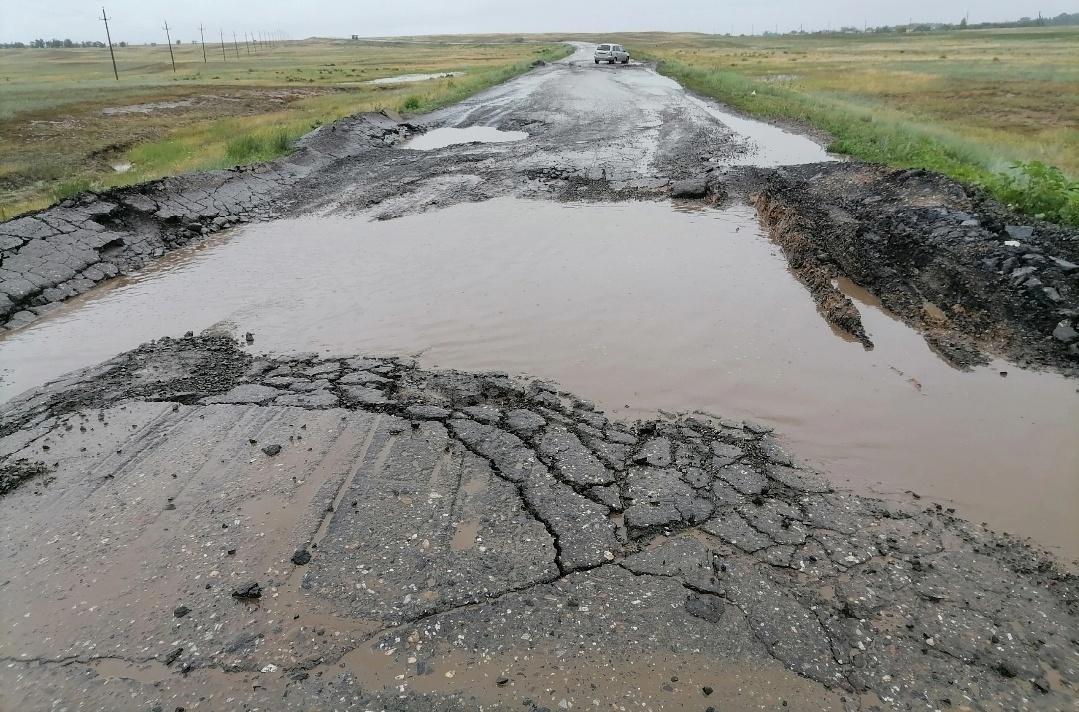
(633, 305)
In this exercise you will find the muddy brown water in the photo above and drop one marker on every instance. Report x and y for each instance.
(634, 305)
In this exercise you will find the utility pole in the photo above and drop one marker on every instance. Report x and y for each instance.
(203, 36)
(235, 46)
(221, 34)
(169, 38)
(247, 43)
(109, 38)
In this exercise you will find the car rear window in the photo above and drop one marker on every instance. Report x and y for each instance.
(604, 48)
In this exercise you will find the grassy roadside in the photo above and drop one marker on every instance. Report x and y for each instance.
(66, 126)
(998, 108)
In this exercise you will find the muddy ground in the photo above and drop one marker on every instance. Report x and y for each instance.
(204, 529)
(974, 278)
(190, 526)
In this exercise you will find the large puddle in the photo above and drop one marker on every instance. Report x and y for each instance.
(632, 305)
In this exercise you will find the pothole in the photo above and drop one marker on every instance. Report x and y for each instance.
(441, 138)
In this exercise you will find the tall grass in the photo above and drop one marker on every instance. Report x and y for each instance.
(259, 146)
(70, 188)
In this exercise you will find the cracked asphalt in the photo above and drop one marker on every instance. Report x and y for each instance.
(424, 540)
(189, 526)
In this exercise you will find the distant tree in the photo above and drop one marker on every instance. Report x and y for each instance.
(963, 24)
(122, 44)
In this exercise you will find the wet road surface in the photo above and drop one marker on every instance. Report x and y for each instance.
(213, 531)
(632, 303)
(611, 130)
(425, 540)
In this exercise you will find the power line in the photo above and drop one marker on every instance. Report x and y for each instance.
(169, 38)
(109, 38)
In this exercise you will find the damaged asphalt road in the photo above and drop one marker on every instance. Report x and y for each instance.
(972, 277)
(213, 530)
(187, 526)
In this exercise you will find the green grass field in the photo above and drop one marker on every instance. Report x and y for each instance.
(970, 104)
(65, 122)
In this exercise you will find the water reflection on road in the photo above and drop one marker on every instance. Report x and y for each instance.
(628, 304)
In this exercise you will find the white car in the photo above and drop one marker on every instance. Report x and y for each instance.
(611, 53)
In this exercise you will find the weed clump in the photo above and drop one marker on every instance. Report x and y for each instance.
(244, 148)
(70, 188)
(1038, 189)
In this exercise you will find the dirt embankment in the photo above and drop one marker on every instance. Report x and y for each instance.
(973, 277)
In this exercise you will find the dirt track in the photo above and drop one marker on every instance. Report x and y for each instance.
(442, 540)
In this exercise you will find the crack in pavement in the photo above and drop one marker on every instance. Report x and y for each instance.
(857, 595)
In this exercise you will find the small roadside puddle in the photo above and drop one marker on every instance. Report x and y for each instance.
(771, 145)
(409, 78)
(635, 306)
(441, 138)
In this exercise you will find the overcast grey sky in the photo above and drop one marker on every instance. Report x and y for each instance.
(140, 20)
